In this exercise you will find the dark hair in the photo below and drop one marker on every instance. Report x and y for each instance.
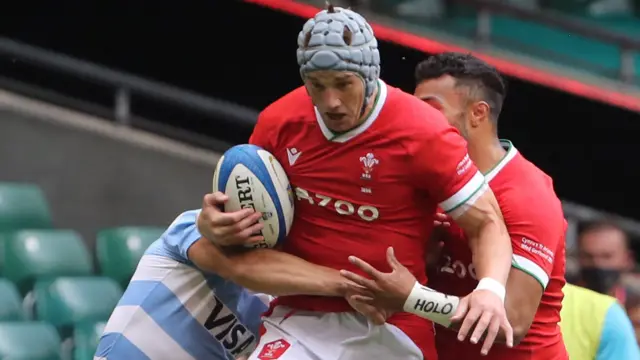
(469, 71)
(600, 225)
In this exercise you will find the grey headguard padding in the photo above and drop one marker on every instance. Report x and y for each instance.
(327, 49)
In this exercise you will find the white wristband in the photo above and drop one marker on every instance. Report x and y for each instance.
(492, 285)
(430, 304)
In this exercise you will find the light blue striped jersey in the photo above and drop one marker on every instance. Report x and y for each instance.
(172, 310)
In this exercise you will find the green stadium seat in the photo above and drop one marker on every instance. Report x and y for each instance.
(23, 206)
(10, 302)
(119, 250)
(539, 40)
(2, 239)
(549, 42)
(34, 254)
(525, 4)
(29, 341)
(85, 339)
(386, 6)
(67, 301)
(420, 9)
(593, 8)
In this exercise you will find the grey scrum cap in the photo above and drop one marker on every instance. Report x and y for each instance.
(339, 39)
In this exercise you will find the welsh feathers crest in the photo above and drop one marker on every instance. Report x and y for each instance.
(368, 162)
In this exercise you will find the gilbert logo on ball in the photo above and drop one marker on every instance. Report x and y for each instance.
(253, 178)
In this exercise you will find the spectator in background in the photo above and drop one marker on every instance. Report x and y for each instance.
(632, 287)
(572, 269)
(595, 327)
(604, 256)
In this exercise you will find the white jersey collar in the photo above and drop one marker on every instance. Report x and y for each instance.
(380, 100)
(511, 153)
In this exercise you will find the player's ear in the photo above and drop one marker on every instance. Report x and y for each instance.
(480, 112)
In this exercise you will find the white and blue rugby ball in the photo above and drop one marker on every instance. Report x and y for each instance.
(252, 178)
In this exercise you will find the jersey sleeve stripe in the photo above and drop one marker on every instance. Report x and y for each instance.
(457, 204)
(531, 268)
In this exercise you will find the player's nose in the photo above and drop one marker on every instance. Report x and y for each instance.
(331, 100)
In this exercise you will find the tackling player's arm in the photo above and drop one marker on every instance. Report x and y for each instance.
(266, 270)
(261, 270)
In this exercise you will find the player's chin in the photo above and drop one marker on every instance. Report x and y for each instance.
(342, 125)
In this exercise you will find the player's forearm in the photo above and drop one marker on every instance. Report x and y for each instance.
(489, 241)
(491, 248)
(277, 273)
(431, 304)
(267, 271)
(438, 307)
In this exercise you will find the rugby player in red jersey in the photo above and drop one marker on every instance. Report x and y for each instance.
(470, 93)
(369, 164)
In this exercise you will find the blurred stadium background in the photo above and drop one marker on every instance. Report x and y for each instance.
(113, 115)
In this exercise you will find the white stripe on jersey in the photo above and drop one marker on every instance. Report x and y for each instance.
(187, 283)
(460, 202)
(134, 324)
(170, 311)
(531, 268)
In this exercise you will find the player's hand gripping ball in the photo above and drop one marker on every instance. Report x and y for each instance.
(252, 201)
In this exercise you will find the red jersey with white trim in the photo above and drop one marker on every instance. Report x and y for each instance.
(359, 192)
(534, 218)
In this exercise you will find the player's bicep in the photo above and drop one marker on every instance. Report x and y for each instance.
(480, 209)
(522, 300)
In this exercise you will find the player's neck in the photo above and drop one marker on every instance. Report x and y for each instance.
(486, 152)
(371, 103)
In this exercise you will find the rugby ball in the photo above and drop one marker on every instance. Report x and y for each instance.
(252, 178)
